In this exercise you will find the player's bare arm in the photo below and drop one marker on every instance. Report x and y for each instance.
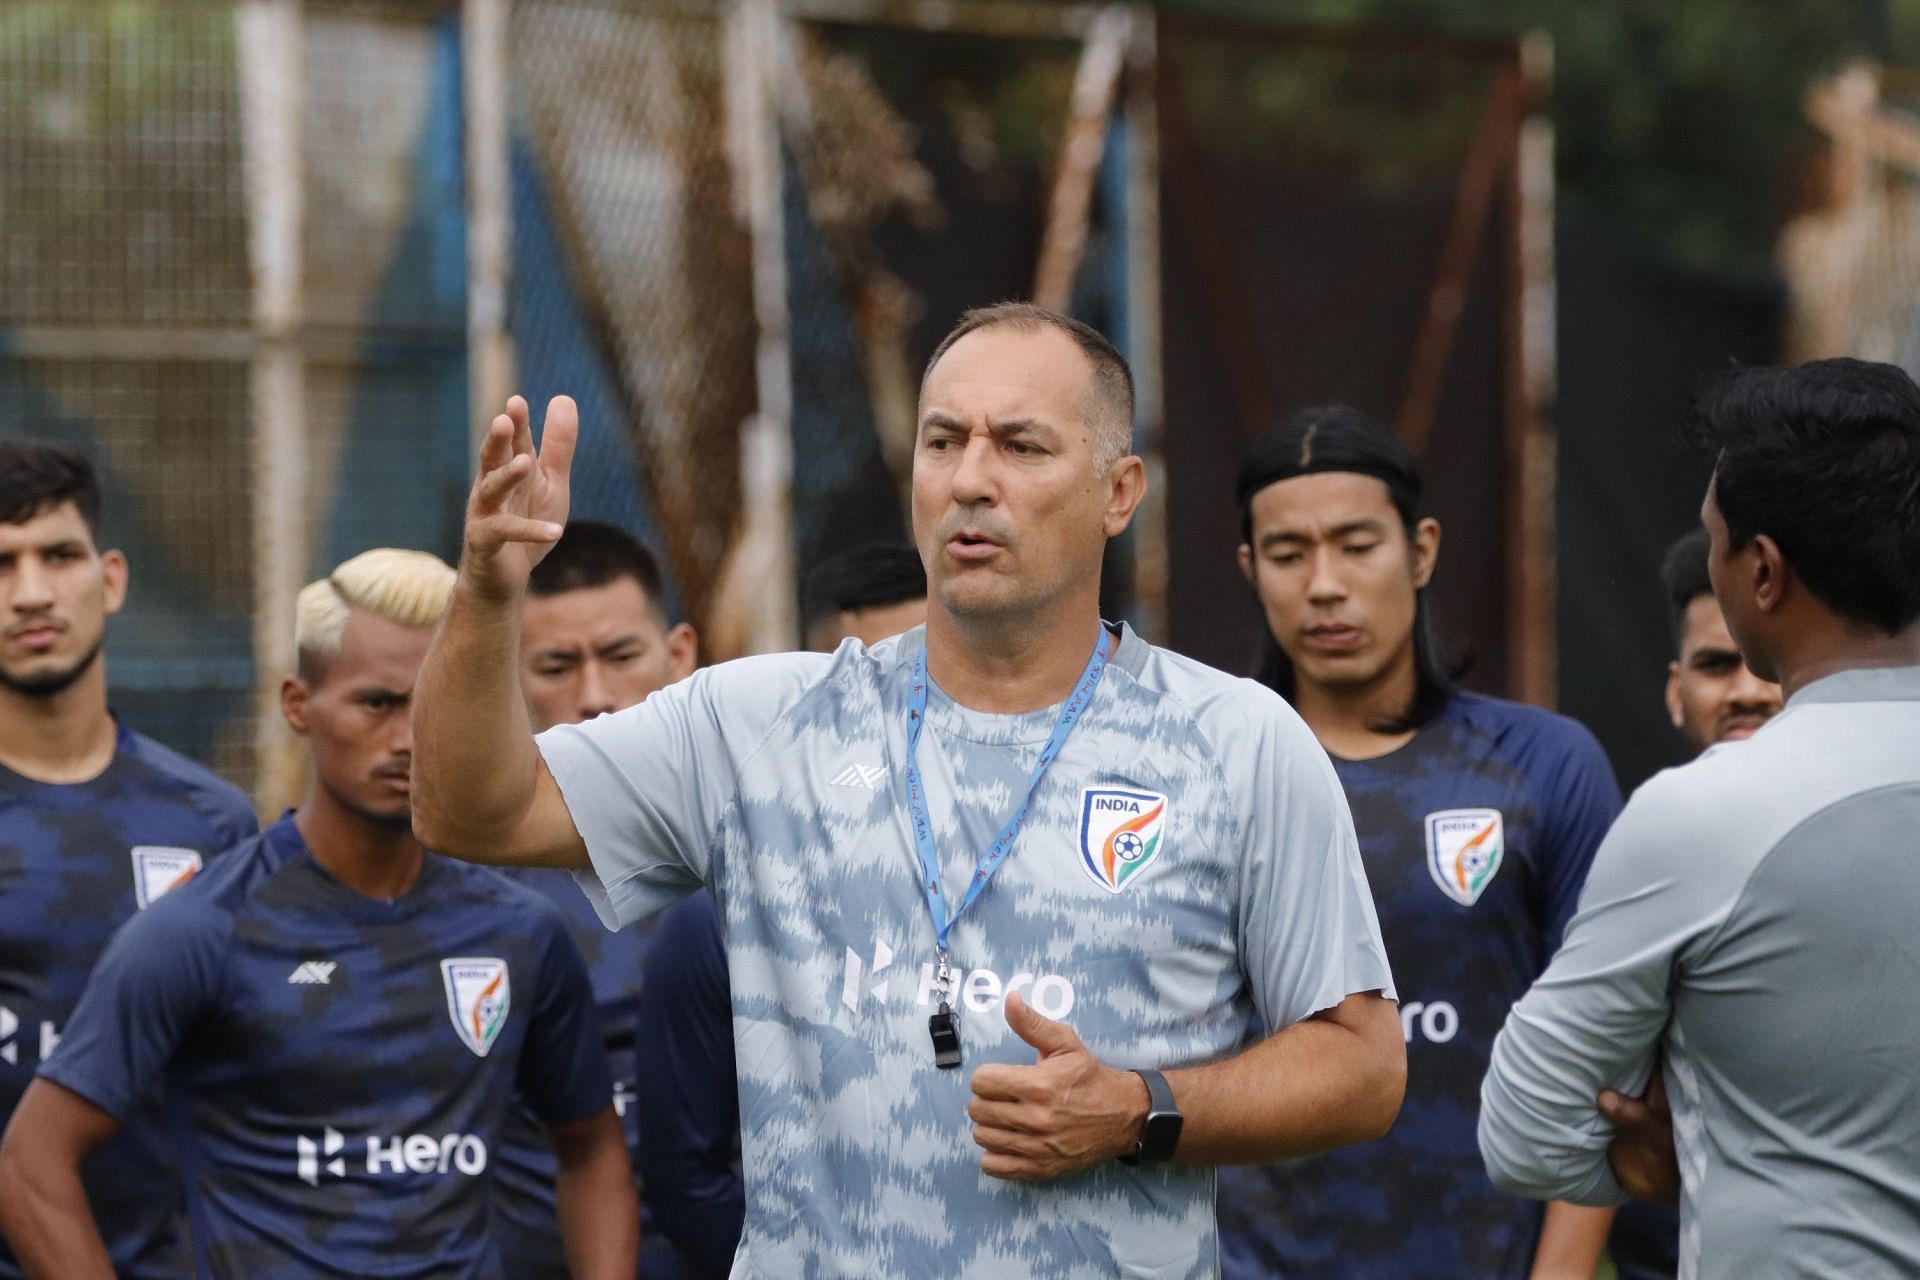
(593, 1189)
(1572, 1239)
(43, 1206)
(1329, 1080)
(480, 791)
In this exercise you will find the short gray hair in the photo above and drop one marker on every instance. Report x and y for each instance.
(1109, 404)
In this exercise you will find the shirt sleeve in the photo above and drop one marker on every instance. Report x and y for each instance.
(1308, 934)
(1580, 801)
(688, 1100)
(647, 787)
(1594, 1018)
(158, 981)
(563, 1072)
(235, 823)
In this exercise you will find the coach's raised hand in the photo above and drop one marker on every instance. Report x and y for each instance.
(519, 502)
(480, 792)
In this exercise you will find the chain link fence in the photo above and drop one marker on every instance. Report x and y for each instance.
(123, 311)
(244, 262)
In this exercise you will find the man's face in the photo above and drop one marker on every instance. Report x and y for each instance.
(357, 715)
(1711, 695)
(1337, 576)
(868, 626)
(1008, 512)
(597, 650)
(57, 590)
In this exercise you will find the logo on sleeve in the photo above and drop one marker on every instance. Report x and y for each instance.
(1120, 833)
(160, 869)
(477, 999)
(1464, 851)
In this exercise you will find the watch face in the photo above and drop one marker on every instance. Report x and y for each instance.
(1160, 1135)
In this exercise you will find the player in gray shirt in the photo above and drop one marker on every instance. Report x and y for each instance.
(947, 1036)
(1750, 918)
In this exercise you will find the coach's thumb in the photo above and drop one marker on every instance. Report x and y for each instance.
(1038, 1030)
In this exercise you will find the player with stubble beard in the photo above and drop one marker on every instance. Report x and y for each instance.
(340, 1018)
(1713, 696)
(96, 822)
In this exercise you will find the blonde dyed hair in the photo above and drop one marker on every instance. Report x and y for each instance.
(411, 588)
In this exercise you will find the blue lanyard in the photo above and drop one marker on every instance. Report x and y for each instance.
(995, 853)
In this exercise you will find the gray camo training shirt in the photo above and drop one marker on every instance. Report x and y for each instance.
(1188, 864)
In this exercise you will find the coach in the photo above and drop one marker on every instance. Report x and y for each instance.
(1751, 915)
(1018, 842)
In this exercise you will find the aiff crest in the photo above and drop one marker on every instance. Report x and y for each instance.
(160, 869)
(478, 997)
(1465, 848)
(1121, 832)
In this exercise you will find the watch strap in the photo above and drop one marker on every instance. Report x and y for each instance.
(1160, 1130)
(1159, 1092)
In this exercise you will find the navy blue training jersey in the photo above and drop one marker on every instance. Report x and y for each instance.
(339, 1067)
(1476, 835)
(690, 1098)
(527, 1226)
(1645, 1241)
(76, 861)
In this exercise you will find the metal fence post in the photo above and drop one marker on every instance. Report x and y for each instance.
(268, 35)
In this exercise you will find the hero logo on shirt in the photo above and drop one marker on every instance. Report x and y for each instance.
(311, 1153)
(1120, 833)
(418, 1153)
(12, 1042)
(1464, 850)
(478, 996)
(160, 869)
(980, 990)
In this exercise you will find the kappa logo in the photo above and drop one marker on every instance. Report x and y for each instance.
(978, 990)
(1121, 832)
(1464, 850)
(160, 869)
(478, 997)
(867, 777)
(311, 971)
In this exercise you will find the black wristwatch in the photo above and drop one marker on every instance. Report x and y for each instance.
(1160, 1132)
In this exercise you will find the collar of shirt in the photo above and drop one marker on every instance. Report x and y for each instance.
(1863, 684)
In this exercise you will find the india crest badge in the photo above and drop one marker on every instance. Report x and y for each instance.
(1120, 833)
(1464, 851)
(159, 869)
(478, 995)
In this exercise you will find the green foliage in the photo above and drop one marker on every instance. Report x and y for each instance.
(1676, 120)
(1386, 120)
